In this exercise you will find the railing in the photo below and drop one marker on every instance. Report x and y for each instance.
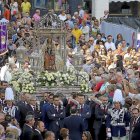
(66, 91)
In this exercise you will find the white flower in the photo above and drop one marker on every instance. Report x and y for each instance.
(86, 90)
(49, 79)
(52, 84)
(82, 88)
(62, 83)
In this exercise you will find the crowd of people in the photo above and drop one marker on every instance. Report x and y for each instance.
(113, 66)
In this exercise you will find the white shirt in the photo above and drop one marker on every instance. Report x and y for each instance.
(3, 72)
(110, 45)
(85, 30)
(62, 17)
(9, 94)
(81, 13)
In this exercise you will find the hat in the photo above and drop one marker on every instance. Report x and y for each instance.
(9, 94)
(118, 97)
(29, 117)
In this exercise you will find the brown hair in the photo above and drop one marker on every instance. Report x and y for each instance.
(64, 133)
(88, 135)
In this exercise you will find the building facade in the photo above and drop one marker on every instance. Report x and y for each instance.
(116, 8)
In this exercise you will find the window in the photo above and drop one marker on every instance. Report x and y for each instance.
(40, 4)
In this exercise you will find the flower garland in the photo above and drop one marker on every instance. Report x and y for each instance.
(27, 82)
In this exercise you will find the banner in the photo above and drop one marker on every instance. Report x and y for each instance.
(3, 39)
(138, 40)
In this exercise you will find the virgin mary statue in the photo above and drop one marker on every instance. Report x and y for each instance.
(52, 57)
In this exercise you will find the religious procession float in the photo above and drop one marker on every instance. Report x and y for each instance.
(46, 52)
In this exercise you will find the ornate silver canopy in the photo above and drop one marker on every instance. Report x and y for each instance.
(51, 27)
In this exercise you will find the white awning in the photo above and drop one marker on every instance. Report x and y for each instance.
(123, 0)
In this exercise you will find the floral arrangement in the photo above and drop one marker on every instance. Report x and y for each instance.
(15, 85)
(26, 82)
(28, 88)
(46, 78)
(66, 79)
(23, 82)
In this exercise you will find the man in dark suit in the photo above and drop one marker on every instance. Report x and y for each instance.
(44, 101)
(2, 96)
(100, 116)
(135, 124)
(71, 102)
(33, 109)
(27, 133)
(22, 109)
(84, 110)
(75, 124)
(45, 108)
(56, 114)
(39, 129)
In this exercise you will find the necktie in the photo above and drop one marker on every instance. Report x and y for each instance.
(56, 108)
(134, 122)
(33, 108)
